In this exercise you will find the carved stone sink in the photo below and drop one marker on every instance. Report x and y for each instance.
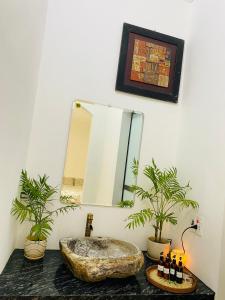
(97, 258)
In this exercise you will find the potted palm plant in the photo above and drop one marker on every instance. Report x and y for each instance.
(163, 196)
(33, 205)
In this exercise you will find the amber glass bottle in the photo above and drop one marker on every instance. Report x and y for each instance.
(161, 265)
(179, 272)
(173, 267)
(166, 270)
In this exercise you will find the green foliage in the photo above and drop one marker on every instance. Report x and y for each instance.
(66, 198)
(130, 203)
(126, 203)
(140, 218)
(135, 167)
(163, 197)
(33, 206)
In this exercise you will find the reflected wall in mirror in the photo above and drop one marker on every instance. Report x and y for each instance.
(102, 145)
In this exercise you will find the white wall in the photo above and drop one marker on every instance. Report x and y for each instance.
(80, 59)
(21, 30)
(201, 155)
(221, 285)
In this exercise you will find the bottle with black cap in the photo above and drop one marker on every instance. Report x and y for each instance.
(173, 267)
(179, 272)
(161, 265)
(166, 270)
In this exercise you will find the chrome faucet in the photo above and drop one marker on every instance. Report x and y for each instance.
(89, 226)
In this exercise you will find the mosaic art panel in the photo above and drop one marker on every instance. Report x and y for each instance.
(151, 63)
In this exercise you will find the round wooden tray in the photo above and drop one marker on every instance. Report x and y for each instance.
(170, 286)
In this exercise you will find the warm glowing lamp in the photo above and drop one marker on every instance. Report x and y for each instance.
(179, 253)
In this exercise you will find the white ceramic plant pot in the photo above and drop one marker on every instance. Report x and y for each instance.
(34, 249)
(154, 248)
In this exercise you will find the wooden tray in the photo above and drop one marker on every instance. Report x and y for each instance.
(170, 286)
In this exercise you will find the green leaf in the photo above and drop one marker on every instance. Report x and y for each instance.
(165, 193)
(20, 210)
(171, 218)
(66, 198)
(126, 203)
(189, 203)
(135, 167)
(64, 209)
(40, 231)
(33, 205)
(140, 218)
(140, 192)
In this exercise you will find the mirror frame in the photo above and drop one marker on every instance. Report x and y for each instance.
(67, 142)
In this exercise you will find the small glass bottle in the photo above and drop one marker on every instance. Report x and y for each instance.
(166, 270)
(161, 265)
(179, 272)
(173, 267)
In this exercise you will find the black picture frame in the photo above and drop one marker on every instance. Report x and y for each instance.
(123, 82)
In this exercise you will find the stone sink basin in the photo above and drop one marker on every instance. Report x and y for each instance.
(96, 258)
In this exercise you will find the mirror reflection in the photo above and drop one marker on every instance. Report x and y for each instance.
(103, 142)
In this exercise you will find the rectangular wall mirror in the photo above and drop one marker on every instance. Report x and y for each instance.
(102, 145)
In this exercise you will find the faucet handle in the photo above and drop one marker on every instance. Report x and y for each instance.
(89, 226)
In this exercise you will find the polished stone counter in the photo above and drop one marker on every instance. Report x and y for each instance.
(49, 278)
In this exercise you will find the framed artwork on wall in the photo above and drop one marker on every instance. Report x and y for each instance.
(150, 63)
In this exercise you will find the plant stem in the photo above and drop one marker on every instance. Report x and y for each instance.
(171, 207)
(160, 231)
(156, 231)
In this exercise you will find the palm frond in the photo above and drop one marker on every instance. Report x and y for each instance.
(166, 193)
(63, 209)
(135, 167)
(65, 198)
(140, 192)
(189, 203)
(20, 210)
(33, 202)
(170, 218)
(150, 173)
(41, 230)
(126, 203)
(140, 218)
